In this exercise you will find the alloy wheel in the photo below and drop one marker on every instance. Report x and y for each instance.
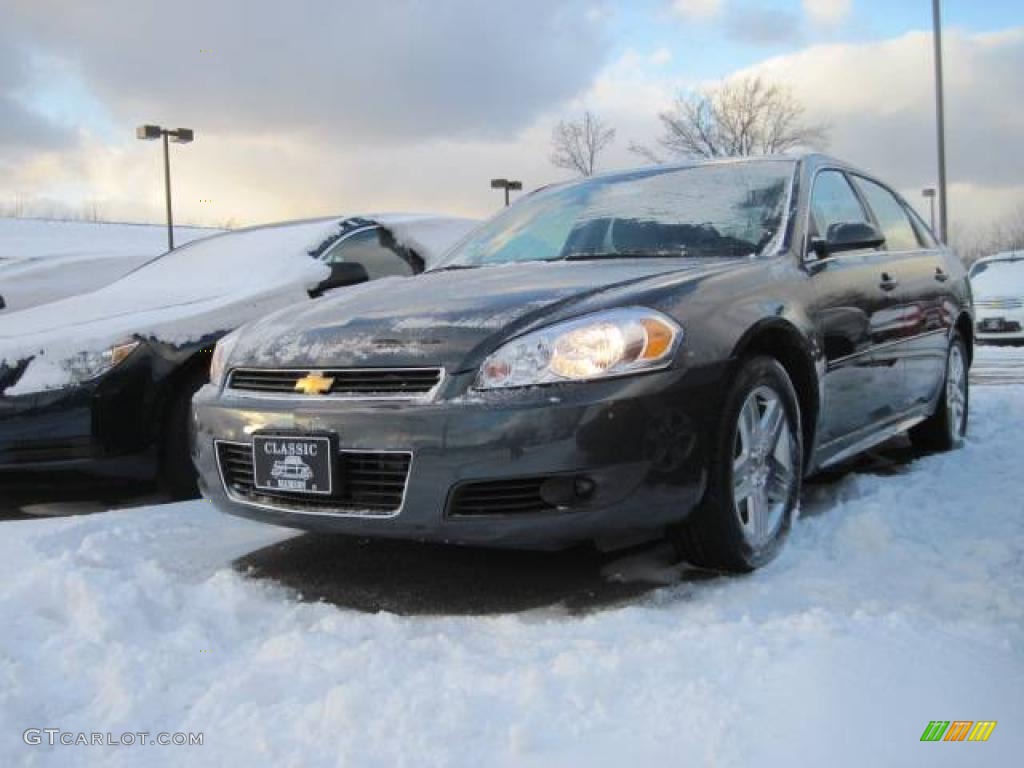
(764, 457)
(956, 392)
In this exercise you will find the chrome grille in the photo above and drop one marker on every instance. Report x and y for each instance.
(347, 382)
(372, 483)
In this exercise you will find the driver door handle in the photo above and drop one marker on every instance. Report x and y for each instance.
(941, 275)
(888, 283)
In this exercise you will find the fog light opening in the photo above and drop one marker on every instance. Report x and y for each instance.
(567, 491)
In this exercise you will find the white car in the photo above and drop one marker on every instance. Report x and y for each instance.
(998, 286)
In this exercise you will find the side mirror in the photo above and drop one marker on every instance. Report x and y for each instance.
(342, 273)
(3, 304)
(847, 236)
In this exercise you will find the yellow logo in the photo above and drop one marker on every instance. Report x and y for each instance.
(314, 384)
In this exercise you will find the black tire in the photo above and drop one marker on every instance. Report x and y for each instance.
(178, 477)
(943, 431)
(713, 535)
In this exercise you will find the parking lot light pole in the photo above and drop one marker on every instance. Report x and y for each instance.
(940, 119)
(178, 136)
(506, 184)
(929, 192)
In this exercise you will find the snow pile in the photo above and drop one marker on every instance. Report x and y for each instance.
(43, 260)
(898, 601)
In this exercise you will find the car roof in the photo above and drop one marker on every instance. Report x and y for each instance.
(812, 160)
(384, 219)
(413, 229)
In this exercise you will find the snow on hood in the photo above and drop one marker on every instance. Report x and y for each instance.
(211, 285)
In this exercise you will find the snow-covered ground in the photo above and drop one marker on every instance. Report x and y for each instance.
(43, 260)
(899, 600)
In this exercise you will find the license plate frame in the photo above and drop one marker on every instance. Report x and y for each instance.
(302, 463)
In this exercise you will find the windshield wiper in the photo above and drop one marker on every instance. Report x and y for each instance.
(453, 267)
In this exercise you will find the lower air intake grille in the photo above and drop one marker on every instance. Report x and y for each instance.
(372, 482)
(515, 496)
(350, 382)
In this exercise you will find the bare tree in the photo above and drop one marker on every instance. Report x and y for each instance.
(576, 144)
(91, 210)
(1005, 234)
(749, 116)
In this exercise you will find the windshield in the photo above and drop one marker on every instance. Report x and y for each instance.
(1003, 277)
(712, 211)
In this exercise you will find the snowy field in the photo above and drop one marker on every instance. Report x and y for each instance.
(899, 600)
(43, 260)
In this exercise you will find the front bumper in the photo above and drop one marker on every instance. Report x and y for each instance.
(103, 426)
(640, 442)
(1011, 325)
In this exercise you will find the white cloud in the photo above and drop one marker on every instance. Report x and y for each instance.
(353, 70)
(828, 13)
(697, 10)
(879, 98)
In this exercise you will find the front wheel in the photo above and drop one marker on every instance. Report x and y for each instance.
(177, 476)
(944, 430)
(754, 475)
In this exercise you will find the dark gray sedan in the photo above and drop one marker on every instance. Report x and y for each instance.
(666, 350)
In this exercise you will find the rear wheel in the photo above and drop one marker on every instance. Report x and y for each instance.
(944, 430)
(754, 477)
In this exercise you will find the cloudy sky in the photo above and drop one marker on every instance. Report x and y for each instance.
(311, 107)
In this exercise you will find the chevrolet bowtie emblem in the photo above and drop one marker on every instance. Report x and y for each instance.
(314, 384)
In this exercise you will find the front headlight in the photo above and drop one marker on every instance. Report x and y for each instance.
(221, 356)
(90, 365)
(614, 342)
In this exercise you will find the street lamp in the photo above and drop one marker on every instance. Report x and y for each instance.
(929, 192)
(178, 136)
(507, 185)
(940, 119)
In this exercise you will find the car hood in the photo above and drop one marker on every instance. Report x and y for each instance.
(444, 318)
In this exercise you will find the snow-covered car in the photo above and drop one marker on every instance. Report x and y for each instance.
(103, 380)
(998, 285)
(43, 260)
(662, 350)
